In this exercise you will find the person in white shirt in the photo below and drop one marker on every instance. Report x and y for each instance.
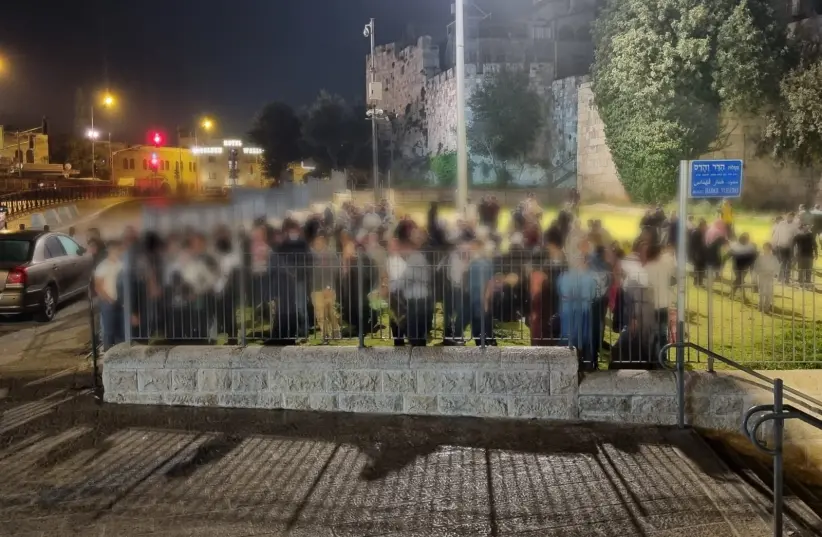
(766, 268)
(107, 279)
(784, 232)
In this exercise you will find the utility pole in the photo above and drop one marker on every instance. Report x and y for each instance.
(369, 32)
(93, 160)
(462, 138)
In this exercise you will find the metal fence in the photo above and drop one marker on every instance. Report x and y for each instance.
(198, 290)
(21, 203)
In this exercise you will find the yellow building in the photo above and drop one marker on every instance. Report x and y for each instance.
(165, 169)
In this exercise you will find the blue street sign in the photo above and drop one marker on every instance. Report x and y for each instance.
(716, 179)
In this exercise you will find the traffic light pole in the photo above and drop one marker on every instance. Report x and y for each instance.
(374, 142)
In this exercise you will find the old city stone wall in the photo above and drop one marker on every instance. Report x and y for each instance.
(767, 184)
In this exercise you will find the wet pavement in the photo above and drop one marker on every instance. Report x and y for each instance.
(73, 467)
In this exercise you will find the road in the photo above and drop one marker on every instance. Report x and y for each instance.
(39, 348)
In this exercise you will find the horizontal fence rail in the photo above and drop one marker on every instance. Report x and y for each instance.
(19, 204)
(239, 290)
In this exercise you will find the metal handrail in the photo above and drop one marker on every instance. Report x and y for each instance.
(777, 413)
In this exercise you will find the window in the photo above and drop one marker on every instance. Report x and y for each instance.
(131, 163)
(71, 247)
(145, 164)
(176, 166)
(167, 166)
(14, 251)
(195, 166)
(54, 248)
(251, 169)
(212, 159)
(125, 163)
(541, 32)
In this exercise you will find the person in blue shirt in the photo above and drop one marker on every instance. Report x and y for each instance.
(578, 288)
(480, 293)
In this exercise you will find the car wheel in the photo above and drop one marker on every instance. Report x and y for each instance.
(48, 305)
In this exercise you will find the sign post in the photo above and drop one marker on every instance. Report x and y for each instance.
(701, 179)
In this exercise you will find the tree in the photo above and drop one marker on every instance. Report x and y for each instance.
(794, 128)
(444, 167)
(277, 130)
(664, 71)
(507, 119)
(325, 129)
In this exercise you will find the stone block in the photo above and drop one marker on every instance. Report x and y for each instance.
(718, 423)
(653, 404)
(314, 358)
(318, 401)
(119, 381)
(375, 358)
(455, 358)
(604, 417)
(134, 398)
(295, 380)
(474, 405)
(238, 400)
(354, 381)
(256, 357)
(184, 380)
(544, 407)
(697, 404)
(249, 380)
(719, 383)
(296, 402)
(436, 382)
(270, 400)
(727, 404)
(154, 380)
(514, 382)
(646, 419)
(127, 356)
(628, 382)
(564, 382)
(201, 356)
(604, 404)
(527, 357)
(376, 403)
(399, 381)
(421, 404)
(191, 399)
(213, 380)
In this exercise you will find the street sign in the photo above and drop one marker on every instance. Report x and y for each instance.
(716, 179)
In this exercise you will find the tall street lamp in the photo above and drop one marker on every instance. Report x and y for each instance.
(207, 125)
(107, 102)
(374, 95)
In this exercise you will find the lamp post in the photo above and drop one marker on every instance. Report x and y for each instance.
(92, 134)
(368, 32)
(207, 124)
(462, 137)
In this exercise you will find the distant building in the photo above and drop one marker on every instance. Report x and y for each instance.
(29, 148)
(212, 167)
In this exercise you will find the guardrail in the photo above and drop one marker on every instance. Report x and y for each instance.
(755, 417)
(21, 203)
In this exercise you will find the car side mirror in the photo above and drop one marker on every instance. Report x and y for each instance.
(81, 251)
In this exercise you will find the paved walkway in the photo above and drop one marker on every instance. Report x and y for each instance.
(71, 467)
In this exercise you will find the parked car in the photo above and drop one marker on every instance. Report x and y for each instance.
(40, 270)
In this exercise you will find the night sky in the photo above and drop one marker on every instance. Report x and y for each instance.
(174, 60)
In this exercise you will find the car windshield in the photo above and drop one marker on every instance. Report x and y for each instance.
(14, 250)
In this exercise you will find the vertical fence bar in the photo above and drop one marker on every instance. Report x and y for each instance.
(710, 313)
(680, 388)
(360, 290)
(778, 433)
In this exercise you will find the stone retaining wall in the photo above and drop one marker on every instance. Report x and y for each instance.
(492, 382)
(512, 382)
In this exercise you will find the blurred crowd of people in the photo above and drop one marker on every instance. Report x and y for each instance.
(348, 271)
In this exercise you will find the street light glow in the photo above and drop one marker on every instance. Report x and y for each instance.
(4, 65)
(207, 124)
(92, 134)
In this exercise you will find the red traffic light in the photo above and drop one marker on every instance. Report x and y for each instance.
(157, 138)
(155, 162)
